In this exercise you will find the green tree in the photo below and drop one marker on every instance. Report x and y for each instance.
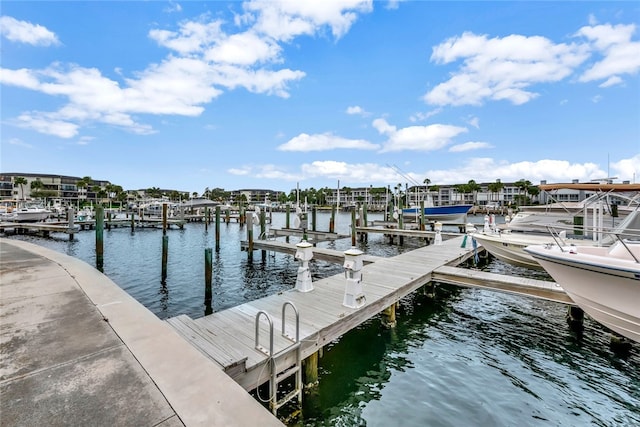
(495, 188)
(473, 187)
(21, 181)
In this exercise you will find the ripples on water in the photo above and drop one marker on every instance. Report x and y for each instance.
(465, 357)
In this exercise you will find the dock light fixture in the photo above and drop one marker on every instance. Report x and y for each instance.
(304, 253)
(353, 294)
(438, 228)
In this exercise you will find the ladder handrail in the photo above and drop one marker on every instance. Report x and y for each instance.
(295, 310)
(257, 344)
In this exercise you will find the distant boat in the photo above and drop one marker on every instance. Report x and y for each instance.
(446, 214)
(603, 281)
(28, 212)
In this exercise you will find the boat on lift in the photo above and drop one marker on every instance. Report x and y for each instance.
(27, 212)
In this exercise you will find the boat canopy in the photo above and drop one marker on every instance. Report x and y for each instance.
(590, 186)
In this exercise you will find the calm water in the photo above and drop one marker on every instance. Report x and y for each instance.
(465, 357)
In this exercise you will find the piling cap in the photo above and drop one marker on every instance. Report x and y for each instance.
(353, 252)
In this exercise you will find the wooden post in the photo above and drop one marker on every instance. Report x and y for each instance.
(108, 220)
(422, 215)
(250, 236)
(206, 219)
(332, 220)
(217, 228)
(287, 221)
(228, 216)
(365, 221)
(311, 370)
(164, 219)
(99, 237)
(313, 219)
(133, 223)
(389, 316)
(353, 227)
(208, 276)
(165, 256)
(71, 214)
(263, 230)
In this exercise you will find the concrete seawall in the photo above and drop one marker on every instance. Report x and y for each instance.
(75, 349)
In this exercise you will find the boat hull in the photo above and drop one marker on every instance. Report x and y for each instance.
(27, 216)
(609, 291)
(454, 214)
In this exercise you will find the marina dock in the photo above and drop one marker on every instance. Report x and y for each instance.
(229, 336)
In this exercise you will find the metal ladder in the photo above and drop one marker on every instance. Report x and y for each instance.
(295, 369)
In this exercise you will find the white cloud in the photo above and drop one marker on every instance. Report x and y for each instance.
(475, 122)
(19, 143)
(611, 81)
(325, 142)
(173, 7)
(356, 109)
(620, 54)
(628, 169)
(48, 125)
(480, 169)
(283, 20)
(469, 146)
(501, 68)
(420, 116)
(26, 32)
(419, 138)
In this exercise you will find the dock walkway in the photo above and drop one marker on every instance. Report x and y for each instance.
(228, 337)
(75, 349)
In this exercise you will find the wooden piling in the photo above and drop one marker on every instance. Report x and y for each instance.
(332, 220)
(208, 279)
(165, 256)
(133, 223)
(99, 237)
(206, 219)
(71, 219)
(353, 227)
(422, 219)
(310, 365)
(217, 228)
(389, 316)
(250, 236)
(313, 218)
(164, 219)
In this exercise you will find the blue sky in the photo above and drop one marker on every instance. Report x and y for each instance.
(267, 94)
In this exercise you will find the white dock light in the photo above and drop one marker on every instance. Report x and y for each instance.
(353, 294)
(304, 253)
(438, 228)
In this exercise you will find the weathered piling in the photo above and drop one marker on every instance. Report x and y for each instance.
(422, 219)
(332, 220)
(165, 257)
(217, 228)
(99, 237)
(287, 221)
(353, 227)
(70, 226)
(313, 218)
(206, 219)
(133, 223)
(208, 279)
(164, 219)
(250, 236)
(311, 370)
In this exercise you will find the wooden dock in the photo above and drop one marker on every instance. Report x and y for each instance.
(322, 254)
(229, 337)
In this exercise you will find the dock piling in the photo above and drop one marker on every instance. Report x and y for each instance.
(208, 279)
(99, 238)
(165, 256)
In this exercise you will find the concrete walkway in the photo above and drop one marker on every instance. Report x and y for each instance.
(75, 349)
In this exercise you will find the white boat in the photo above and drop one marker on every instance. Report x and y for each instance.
(510, 247)
(603, 281)
(28, 212)
(607, 201)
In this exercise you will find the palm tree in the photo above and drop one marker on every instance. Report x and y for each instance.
(473, 187)
(21, 181)
(495, 188)
(36, 188)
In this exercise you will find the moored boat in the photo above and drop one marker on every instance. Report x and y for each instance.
(603, 281)
(28, 212)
